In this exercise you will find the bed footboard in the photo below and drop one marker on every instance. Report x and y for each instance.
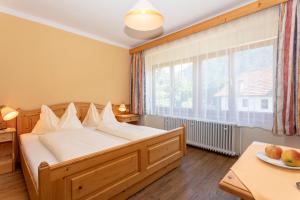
(116, 173)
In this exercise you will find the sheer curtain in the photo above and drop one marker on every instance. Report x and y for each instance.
(223, 74)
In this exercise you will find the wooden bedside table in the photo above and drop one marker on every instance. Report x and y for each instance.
(7, 150)
(129, 118)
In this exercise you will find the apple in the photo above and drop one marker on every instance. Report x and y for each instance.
(291, 158)
(273, 151)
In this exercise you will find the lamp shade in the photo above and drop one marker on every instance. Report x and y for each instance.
(122, 108)
(8, 113)
(144, 17)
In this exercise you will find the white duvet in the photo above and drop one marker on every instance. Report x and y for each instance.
(36, 152)
(69, 144)
(129, 131)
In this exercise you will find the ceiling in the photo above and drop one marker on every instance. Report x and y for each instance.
(103, 19)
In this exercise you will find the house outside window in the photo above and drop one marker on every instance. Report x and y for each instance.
(264, 104)
(245, 103)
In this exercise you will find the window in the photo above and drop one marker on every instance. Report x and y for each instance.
(227, 86)
(264, 104)
(223, 74)
(245, 103)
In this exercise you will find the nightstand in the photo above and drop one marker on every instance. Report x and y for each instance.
(7, 150)
(129, 118)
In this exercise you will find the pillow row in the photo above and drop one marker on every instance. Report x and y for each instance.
(93, 119)
(49, 122)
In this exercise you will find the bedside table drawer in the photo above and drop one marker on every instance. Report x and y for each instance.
(129, 118)
(135, 118)
(6, 165)
(5, 137)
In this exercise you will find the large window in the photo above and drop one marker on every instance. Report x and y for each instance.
(227, 86)
(223, 74)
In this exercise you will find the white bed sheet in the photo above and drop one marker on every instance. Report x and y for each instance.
(129, 131)
(35, 153)
(70, 144)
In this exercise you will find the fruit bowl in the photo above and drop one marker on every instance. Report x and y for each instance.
(262, 156)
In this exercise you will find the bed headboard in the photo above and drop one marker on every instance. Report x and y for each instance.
(27, 119)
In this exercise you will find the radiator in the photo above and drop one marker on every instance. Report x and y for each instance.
(207, 135)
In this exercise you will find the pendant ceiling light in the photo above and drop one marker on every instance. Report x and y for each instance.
(144, 17)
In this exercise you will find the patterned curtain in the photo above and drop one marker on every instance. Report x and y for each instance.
(287, 96)
(137, 80)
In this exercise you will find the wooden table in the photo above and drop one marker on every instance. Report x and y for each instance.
(230, 183)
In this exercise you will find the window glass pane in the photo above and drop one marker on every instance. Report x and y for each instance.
(245, 103)
(183, 85)
(163, 87)
(264, 104)
(214, 88)
(254, 81)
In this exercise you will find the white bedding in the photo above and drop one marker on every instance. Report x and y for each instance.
(35, 153)
(69, 144)
(129, 131)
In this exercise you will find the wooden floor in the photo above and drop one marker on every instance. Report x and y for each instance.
(196, 179)
(12, 186)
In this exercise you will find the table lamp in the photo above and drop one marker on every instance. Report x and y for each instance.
(8, 113)
(122, 108)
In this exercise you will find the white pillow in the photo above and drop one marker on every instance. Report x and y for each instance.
(69, 120)
(92, 117)
(107, 115)
(48, 121)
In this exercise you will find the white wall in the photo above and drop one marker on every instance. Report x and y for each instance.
(248, 135)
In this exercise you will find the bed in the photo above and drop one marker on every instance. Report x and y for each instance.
(116, 172)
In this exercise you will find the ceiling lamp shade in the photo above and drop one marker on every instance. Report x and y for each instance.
(144, 17)
(8, 113)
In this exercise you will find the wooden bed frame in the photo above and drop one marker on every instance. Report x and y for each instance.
(115, 173)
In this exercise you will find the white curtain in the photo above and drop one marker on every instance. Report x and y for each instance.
(223, 74)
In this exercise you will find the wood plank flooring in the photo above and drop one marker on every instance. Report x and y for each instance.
(12, 186)
(196, 179)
